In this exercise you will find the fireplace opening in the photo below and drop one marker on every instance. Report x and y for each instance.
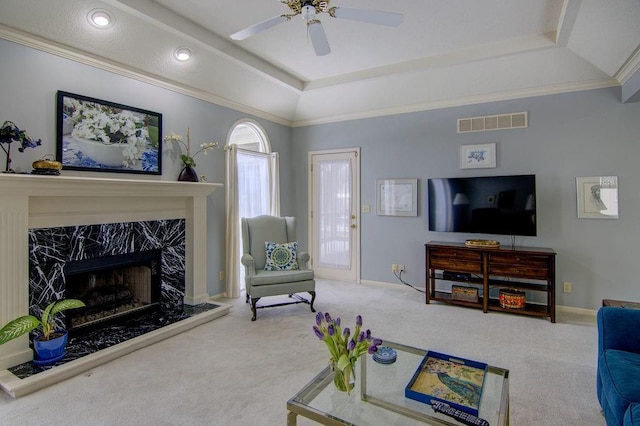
(112, 287)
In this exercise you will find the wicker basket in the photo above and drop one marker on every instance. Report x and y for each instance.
(511, 298)
(464, 293)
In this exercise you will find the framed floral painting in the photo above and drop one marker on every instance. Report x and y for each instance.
(97, 135)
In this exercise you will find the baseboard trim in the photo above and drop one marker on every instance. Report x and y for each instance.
(574, 310)
(387, 285)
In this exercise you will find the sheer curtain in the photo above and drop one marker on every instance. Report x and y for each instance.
(334, 237)
(252, 190)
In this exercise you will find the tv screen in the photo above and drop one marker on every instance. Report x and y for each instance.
(503, 205)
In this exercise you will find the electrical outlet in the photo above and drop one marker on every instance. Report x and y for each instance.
(566, 287)
(401, 268)
(221, 275)
(394, 268)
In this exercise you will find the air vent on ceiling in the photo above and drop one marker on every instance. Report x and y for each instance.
(516, 120)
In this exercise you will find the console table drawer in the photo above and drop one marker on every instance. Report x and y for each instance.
(457, 265)
(519, 259)
(519, 271)
(453, 254)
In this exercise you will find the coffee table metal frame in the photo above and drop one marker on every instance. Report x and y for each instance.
(299, 403)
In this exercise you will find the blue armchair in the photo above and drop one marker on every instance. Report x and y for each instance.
(282, 273)
(618, 381)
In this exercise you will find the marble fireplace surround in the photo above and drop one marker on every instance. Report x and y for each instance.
(30, 201)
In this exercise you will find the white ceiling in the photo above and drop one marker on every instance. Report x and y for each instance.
(446, 53)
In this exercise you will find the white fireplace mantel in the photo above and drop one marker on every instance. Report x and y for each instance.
(31, 201)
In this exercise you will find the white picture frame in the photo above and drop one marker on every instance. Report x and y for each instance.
(478, 156)
(597, 197)
(397, 197)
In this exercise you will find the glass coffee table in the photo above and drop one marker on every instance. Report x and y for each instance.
(378, 397)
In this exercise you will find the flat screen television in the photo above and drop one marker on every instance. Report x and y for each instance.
(504, 205)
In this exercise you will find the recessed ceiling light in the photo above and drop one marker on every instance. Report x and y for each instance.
(182, 54)
(100, 18)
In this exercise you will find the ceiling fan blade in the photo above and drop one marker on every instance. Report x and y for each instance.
(389, 19)
(318, 38)
(259, 27)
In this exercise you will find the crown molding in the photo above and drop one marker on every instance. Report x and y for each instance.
(630, 67)
(467, 100)
(47, 46)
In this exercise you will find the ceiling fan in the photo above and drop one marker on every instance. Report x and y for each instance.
(309, 9)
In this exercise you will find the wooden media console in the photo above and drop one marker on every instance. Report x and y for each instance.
(530, 269)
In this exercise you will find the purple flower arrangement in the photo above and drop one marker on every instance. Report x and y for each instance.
(9, 133)
(345, 348)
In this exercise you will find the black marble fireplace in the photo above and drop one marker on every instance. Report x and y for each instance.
(93, 263)
(54, 252)
(112, 287)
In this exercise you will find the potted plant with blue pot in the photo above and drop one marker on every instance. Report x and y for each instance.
(50, 345)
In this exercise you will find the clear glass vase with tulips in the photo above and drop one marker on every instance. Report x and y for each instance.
(344, 348)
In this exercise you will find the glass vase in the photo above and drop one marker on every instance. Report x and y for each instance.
(345, 380)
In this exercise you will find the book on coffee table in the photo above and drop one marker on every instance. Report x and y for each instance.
(449, 379)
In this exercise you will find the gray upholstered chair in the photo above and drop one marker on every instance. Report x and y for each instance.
(262, 283)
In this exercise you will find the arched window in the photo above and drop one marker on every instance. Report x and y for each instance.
(252, 189)
(249, 135)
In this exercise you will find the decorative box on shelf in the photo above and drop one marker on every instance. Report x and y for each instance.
(464, 293)
(511, 298)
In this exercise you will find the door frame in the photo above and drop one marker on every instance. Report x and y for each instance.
(356, 203)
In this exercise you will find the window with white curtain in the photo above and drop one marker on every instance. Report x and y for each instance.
(252, 190)
(334, 210)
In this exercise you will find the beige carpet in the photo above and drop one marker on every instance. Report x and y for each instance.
(232, 371)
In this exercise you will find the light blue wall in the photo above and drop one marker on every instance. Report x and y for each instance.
(29, 80)
(589, 133)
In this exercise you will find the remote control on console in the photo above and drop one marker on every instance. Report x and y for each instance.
(461, 416)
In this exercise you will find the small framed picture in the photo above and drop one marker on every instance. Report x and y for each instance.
(597, 197)
(478, 156)
(397, 197)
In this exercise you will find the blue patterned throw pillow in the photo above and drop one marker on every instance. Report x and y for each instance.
(281, 257)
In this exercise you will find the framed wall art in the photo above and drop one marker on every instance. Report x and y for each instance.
(102, 136)
(478, 156)
(597, 197)
(397, 197)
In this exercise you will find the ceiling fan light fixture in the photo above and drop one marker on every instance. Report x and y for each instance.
(308, 12)
(100, 18)
(182, 54)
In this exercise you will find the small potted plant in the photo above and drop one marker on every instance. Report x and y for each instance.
(9, 133)
(50, 345)
(188, 173)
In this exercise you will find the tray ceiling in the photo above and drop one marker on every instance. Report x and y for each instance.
(445, 53)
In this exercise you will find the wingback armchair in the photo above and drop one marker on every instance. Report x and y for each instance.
(273, 266)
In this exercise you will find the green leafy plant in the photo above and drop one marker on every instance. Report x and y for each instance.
(26, 323)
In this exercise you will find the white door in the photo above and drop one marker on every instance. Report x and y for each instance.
(334, 215)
